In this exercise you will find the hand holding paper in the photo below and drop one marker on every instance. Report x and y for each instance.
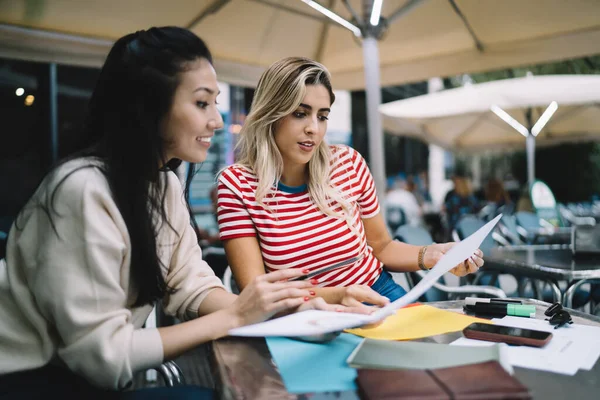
(315, 322)
(436, 251)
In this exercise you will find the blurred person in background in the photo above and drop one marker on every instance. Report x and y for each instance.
(496, 196)
(402, 197)
(459, 201)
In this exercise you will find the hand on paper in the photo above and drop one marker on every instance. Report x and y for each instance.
(356, 295)
(435, 251)
(270, 294)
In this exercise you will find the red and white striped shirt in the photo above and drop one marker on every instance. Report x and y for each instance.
(293, 233)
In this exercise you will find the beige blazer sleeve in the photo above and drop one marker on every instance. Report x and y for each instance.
(189, 277)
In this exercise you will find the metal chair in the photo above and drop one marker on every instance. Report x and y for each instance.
(509, 229)
(574, 289)
(420, 237)
(171, 374)
(530, 226)
(468, 225)
(573, 219)
(229, 281)
(215, 257)
(395, 217)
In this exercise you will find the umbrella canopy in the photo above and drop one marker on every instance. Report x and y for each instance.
(462, 119)
(424, 38)
(414, 40)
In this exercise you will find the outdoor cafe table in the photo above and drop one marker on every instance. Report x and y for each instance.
(243, 368)
(555, 235)
(549, 263)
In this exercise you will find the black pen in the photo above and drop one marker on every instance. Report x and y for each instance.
(326, 269)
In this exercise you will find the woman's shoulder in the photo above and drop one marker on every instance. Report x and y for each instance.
(69, 185)
(341, 152)
(345, 155)
(340, 149)
(238, 172)
(77, 174)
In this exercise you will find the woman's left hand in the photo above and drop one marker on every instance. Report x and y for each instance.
(435, 251)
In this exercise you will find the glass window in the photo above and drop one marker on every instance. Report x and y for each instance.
(75, 86)
(23, 144)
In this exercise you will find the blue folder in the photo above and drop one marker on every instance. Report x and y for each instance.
(315, 367)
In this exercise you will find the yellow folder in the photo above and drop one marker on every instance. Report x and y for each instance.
(417, 322)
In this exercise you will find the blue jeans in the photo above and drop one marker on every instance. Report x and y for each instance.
(386, 286)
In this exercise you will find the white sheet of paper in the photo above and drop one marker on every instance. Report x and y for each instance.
(310, 322)
(570, 349)
(316, 322)
(584, 339)
(530, 357)
(457, 254)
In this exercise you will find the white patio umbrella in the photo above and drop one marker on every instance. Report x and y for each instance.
(502, 114)
(409, 40)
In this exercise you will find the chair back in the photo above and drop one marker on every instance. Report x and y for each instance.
(395, 217)
(414, 235)
(528, 220)
(488, 212)
(508, 227)
(216, 259)
(468, 225)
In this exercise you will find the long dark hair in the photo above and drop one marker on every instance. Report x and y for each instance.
(133, 94)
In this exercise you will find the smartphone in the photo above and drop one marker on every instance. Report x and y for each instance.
(507, 334)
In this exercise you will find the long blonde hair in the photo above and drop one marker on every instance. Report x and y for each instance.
(280, 90)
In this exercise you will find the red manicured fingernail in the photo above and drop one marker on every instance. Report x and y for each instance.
(306, 298)
(305, 271)
(314, 281)
(312, 292)
(338, 309)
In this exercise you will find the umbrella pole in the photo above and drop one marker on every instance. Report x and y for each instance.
(530, 148)
(373, 93)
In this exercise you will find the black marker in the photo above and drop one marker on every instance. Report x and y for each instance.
(475, 300)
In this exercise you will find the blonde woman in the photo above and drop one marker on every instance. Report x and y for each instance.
(293, 201)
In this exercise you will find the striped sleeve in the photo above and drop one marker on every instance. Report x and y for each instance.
(232, 214)
(367, 201)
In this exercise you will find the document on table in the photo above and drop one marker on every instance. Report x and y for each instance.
(315, 322)
(418, 322)
(571, 348)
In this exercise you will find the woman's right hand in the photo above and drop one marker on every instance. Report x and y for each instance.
(355, 296)
(271, 294)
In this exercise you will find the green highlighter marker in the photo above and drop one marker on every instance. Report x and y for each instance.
(496, 309)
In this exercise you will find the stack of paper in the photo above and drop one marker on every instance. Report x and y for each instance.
(571, 348)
